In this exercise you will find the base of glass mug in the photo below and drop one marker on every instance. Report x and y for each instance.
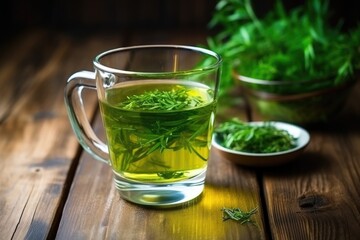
(160, 195)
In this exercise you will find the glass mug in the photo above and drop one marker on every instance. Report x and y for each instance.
(157, 104)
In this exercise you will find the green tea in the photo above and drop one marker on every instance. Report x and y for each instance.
(159, 130)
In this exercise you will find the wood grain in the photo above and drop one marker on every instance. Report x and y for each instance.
(38, 145)
(317, 196)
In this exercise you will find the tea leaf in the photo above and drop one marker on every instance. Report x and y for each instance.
(157, 100)
(164, 124)
(238, 215)
(170, 174)
(240, 136)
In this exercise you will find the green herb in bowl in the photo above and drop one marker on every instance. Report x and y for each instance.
(285, 45)
(259, 144)
(244, 137)
(292, 64)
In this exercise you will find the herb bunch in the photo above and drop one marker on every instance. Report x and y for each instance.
(160, 136)
(240, 136)
(296, 45)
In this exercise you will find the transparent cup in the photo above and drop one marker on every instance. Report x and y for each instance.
(158, 105)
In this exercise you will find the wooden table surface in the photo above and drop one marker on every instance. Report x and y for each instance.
(51, 189)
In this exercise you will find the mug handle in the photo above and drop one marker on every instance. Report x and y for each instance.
(76, 112)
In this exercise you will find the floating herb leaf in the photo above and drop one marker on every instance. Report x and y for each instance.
(238, 215)
(170, 174)
(148, 124)
(240, 136)
(157, 100)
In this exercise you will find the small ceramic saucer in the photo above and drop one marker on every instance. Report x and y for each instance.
(267, 159)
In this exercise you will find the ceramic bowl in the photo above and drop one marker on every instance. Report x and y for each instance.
(301, 102)
(267, 159)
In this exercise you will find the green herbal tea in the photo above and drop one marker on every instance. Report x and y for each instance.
(159, 130)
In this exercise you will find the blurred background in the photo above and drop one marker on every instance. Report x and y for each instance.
(103, 15)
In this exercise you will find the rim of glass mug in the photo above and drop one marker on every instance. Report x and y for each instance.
(97, 60)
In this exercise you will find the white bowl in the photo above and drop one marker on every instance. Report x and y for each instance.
(267, 159)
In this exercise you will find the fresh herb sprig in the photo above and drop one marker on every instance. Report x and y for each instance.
(169, 130)
(240, 136)
(157, 100)
(290, 45)
(159, 137)
(238, 215)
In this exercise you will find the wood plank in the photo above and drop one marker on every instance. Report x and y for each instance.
(10, 65)
(94, 209)
(38, 147)
(317, 196)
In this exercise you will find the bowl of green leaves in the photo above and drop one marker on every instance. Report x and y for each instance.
(291, 65)
(261, 143)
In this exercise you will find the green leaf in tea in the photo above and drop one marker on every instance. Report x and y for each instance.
(177, 98)
(159, 130)
(240, 136)
(170, 175)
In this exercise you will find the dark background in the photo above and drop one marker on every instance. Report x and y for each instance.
(95, 15)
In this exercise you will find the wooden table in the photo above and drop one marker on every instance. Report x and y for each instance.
(50, 188)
